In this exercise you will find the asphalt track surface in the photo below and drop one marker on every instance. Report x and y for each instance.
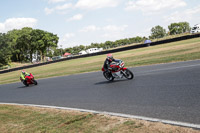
(165, 91)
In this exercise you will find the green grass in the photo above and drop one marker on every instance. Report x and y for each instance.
(28, 120)
(17, 119)
(165, 53)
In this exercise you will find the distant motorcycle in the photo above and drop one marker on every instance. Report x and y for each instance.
(29, 80)
(118, 71)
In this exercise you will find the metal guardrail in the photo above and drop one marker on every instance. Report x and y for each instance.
(108, 51)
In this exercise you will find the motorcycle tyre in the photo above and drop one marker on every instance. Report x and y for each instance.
(132, 75)
(25, 83)
(35, 82)
(109, 79)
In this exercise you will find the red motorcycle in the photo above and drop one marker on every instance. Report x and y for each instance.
(29, 79)
(117, 70)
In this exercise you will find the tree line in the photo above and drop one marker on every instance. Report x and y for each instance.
(21, 45)
(173, 29)
(156, 32)
(106, 45)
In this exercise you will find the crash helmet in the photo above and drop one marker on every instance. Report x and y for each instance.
(23, 71)
(110, 57)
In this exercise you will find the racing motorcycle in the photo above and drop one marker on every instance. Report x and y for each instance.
(118, 71)
(29, 80)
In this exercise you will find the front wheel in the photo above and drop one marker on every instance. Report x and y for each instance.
(35, 82)
(128, 74)
(108, 76)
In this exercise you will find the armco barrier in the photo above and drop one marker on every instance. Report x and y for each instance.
(108, 51)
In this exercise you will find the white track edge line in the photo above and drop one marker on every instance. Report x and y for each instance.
(176, 123)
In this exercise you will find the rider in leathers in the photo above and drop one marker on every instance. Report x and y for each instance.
(107, 62)
(23, 75)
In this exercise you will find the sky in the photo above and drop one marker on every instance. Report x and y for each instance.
(82, 22)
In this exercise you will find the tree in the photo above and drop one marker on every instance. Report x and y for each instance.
(81, 47)
(76, 50)
(5, 51)
(108, 44)
(12, 37)
(24, 43)
(43, 41)
(136, 39)
(69, 50)
(157, 32)
(58, 52)
(178, 28)
(27, 41)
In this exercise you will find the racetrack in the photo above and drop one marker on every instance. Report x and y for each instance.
(166, 91)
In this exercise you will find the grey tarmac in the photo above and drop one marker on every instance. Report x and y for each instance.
(165, 91)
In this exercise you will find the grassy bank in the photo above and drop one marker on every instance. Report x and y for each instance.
(170, 52)
(34, 119)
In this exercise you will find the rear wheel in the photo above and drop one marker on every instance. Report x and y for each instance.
(108, 76)
(25, 83)
(128, 74)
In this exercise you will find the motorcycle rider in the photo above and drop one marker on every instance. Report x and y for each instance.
(107, 62)
(23, 75)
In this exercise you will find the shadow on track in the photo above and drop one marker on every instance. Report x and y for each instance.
(30, 86)
(110, 82)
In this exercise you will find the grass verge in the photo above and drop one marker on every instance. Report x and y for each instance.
(34, 119)
(170, 52)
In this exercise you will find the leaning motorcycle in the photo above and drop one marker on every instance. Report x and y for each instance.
(29, 80)
(118, 71)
